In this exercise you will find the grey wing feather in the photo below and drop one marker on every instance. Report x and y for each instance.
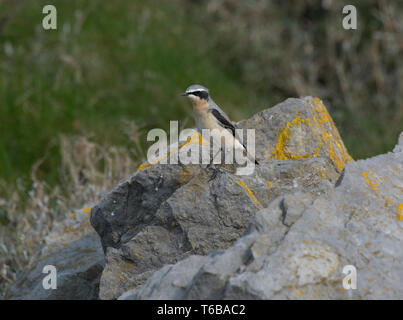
(224, 115)
(224, 121)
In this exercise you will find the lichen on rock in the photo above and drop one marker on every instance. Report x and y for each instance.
(285, 231)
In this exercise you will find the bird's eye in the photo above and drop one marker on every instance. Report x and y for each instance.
(201, 94)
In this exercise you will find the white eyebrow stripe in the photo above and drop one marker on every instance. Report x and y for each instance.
(198, 90)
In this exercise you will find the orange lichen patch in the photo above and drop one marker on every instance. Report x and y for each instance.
(331, 138)
(333, 155)
(144, 166)
(87, 210)
(193, 139)
(300, 293)
(269, 184)
(280, 152)
(400, 211)
(372, 182)
(321, 110)
(250, 192)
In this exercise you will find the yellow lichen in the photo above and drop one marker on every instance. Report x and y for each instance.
(335, 158)
(87, 210)
(280, 152)
(300, 293)
(400, 211)
(372, 182)
(144, 166)
(331, 138)
(193, 139)
(322, 112)
(269, 184)
(249, 192)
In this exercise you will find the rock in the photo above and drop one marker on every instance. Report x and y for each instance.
(399, 147)
(358, 222)
(175, 283)
(297, 129)
(74, 249)
(283, 232)
(165, 213)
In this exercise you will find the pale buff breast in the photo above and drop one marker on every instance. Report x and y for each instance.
(203, 118)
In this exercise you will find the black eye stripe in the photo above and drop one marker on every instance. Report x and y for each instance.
(196, 93)
(201, 94)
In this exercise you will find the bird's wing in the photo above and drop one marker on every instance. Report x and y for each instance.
(222, 121)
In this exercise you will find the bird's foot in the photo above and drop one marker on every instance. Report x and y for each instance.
(215, 173)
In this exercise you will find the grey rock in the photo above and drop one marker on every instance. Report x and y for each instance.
(283, 232)
(297, 246)
(131, 204)
(168, 280)
(165, 213)
(399, 146)
(297, 129)
(74, 249)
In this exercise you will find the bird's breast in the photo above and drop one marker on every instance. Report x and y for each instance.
(205, 120)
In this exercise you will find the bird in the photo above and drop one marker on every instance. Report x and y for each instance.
(208, 115)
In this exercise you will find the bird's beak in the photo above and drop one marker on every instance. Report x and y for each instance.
(184, 94)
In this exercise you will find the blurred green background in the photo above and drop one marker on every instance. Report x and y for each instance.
(110, 62)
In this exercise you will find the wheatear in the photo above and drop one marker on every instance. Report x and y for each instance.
(210, 116)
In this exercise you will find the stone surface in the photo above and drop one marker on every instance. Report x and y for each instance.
(164, 213)
(283, 232)
(358, 222)
(75, 250)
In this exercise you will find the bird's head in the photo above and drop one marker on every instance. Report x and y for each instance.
(197, 94)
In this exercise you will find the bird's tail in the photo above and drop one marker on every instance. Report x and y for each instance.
(252, 159)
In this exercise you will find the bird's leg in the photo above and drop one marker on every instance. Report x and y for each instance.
(212, 160)
(215, 170)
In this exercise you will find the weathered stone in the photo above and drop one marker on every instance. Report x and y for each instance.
(176, 281)
(164, 213)
(359, 222)
(133, 202)
(285, 231)
(297, 129)
(75, 250)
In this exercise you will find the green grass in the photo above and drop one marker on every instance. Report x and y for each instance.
(107, 62)
(111, 62)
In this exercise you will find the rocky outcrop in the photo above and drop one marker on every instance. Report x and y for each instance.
(297, 246)
(165, 213)
(283, 232)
